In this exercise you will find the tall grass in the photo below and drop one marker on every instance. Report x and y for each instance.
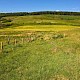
(52, 58)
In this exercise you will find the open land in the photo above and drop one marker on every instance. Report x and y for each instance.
(40, 47)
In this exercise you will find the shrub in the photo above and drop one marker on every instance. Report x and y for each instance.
(5, 20)
(58, 36)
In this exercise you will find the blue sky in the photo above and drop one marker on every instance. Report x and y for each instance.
(39, 5)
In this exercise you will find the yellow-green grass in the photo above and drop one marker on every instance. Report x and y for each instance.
(42, 59)
(41, 28)
(43, 19)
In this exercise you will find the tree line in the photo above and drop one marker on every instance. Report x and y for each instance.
(39, 13)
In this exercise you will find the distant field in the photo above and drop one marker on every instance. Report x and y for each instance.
(42, 20)
(41, 23)
(41, 28)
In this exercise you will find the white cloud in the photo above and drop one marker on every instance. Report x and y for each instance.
(57, 10)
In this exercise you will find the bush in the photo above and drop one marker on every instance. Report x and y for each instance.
(58, 36)
(5, 20)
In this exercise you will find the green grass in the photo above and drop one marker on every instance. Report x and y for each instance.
(42, 23)
(53, 58)
(43, 20)
(51, 48)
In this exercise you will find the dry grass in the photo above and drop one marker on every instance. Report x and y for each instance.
(41, 28)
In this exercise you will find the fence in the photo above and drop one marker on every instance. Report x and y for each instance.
(14, 42)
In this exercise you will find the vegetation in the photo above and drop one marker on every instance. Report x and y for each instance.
(39, 13)
(50, 56)
(47, 47)
(39, 20)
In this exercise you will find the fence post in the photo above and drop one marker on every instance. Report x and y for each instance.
(1, 46)
(8, 40)
(22, 40)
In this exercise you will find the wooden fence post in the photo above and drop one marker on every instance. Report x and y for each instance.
(8, 40)
(22, 40)
(1, 46)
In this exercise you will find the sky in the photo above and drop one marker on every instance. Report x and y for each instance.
(39, 5)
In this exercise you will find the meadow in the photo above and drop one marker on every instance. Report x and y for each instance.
(50, 49)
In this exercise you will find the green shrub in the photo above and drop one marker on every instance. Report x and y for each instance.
(57, 36)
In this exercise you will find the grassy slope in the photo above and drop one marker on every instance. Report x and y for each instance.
(39, 22)
(52, 59)
(45, 19)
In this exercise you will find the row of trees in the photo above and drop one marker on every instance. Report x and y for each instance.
(39, 13)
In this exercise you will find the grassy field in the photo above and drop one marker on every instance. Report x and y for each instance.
(50, 49)
(41, 23)
(42, 20)
(41, 28)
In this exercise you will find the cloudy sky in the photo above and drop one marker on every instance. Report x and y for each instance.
(39, 5)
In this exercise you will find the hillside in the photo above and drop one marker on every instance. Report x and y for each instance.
(40, 47)
(39, 21)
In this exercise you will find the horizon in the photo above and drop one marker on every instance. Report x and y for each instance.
(38, 11)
